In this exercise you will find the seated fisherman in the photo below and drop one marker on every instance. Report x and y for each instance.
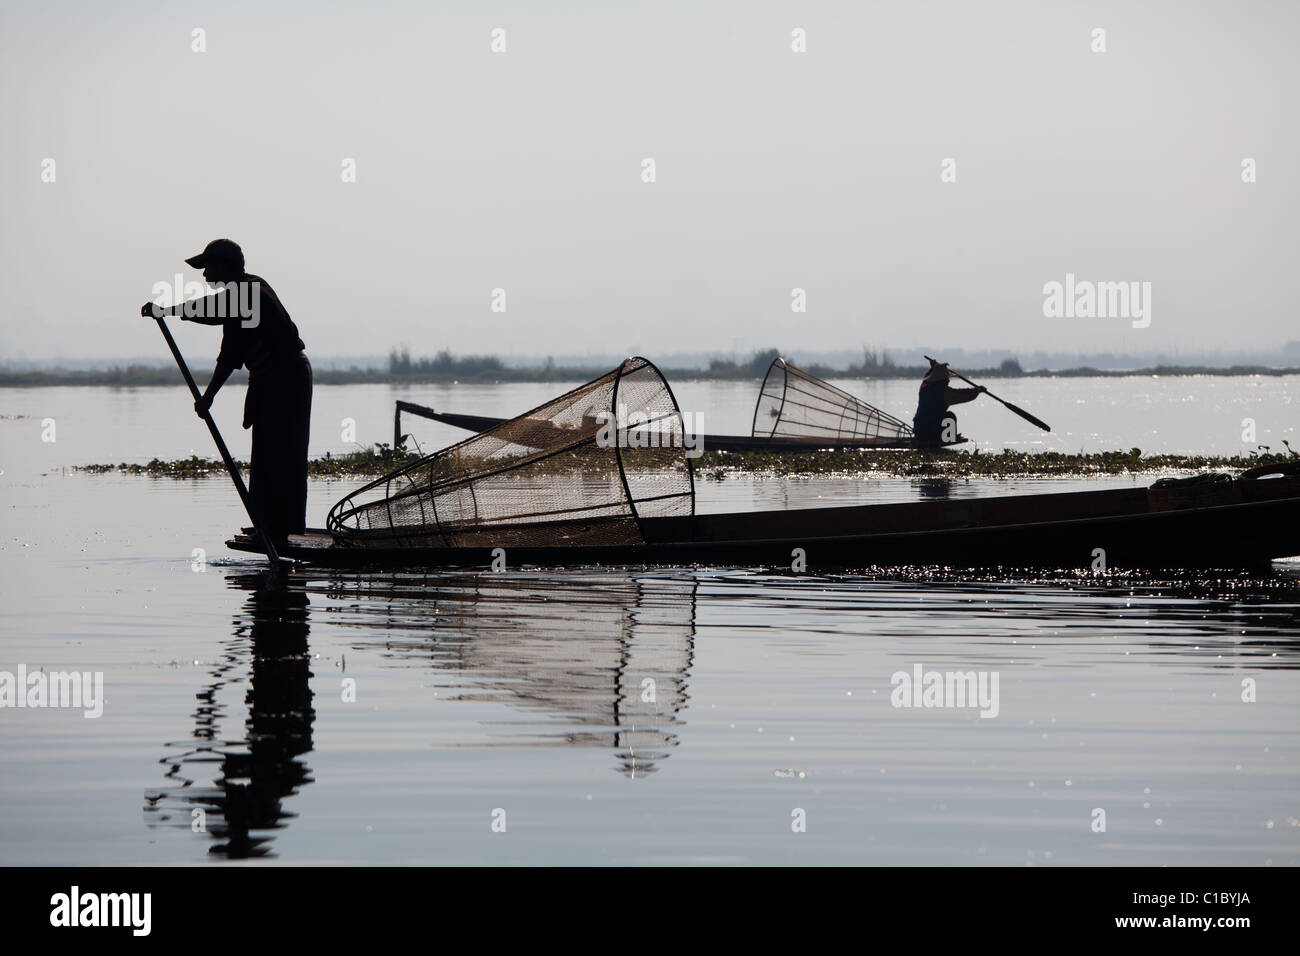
(933, 424)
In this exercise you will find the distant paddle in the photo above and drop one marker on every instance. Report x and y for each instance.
(1015, 408)
(235, 476)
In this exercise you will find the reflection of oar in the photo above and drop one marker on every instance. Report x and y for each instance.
(1015, 408)
(235, 476)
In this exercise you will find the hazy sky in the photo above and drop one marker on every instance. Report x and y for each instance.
(522, 170)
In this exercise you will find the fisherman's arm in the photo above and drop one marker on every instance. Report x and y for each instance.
(208, 310)
(230, 358)
(219, 376)
(959, 396)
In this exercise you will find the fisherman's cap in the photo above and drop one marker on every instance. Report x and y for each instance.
(218, 250)
(938, 372)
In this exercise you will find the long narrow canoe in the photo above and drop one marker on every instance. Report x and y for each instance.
(1243, 522)
(481, 423)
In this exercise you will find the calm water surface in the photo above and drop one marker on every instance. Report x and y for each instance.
(622, 715)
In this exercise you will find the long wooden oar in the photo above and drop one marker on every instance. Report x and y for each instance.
(1015, 408)
(235, 476)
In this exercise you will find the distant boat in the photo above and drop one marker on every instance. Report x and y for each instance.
(795, 411)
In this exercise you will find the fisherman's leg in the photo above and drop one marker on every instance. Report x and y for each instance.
(292, 428)
(273, 464)
(258, 457)
(297, 444)
(926, 433)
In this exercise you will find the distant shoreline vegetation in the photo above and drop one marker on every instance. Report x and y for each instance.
(445, 368)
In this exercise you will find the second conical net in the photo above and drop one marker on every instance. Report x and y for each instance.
(795, 406)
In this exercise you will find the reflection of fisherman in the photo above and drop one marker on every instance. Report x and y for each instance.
(243, 807)
(258, 333)
(279, 727)
(933, 423)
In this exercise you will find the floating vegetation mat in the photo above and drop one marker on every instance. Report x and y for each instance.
(968, 464)
(358, 464)
(718, 466)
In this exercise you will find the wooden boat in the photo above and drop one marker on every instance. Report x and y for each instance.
(795, 412)
(601, 476)
(1183, 523)
(481, 423)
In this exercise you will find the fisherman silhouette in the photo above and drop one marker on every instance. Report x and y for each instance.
(933, 424)
(258, 333)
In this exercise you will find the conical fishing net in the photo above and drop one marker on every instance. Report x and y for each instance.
(584, 468)
(796, 406)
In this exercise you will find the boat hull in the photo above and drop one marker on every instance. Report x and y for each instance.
(1224, 525)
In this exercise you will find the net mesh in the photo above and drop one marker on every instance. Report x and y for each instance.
(794, 405)
(582, 469)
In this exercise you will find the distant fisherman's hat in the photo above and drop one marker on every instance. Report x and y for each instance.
(218, 250)
(938, 373)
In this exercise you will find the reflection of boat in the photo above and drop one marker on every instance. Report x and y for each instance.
(598, 662)
(553, 488)
(795, 411)
(244, 803)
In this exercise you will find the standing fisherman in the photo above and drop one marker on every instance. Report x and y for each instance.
(258, 333)
(933, 424)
